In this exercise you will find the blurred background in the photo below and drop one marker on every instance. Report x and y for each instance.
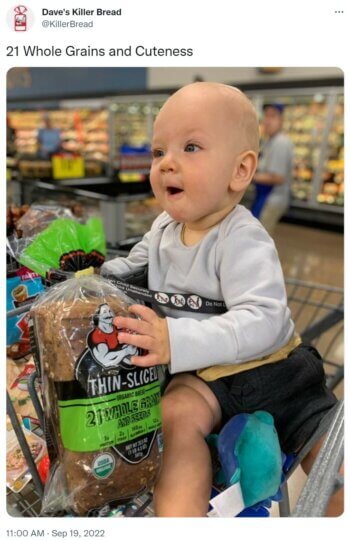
(90, 129)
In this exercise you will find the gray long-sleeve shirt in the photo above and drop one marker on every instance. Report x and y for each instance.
(235, 262)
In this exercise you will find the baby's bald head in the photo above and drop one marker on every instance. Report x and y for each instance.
(205, 146)
(231, 108)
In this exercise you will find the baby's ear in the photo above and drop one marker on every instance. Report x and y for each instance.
(244, 170)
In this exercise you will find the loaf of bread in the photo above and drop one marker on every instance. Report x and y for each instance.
(102, 413)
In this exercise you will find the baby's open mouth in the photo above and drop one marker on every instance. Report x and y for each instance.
(173, 190)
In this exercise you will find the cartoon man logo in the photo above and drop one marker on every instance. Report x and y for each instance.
(103, 342)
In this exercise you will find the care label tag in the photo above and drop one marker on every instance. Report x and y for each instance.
(228, 503)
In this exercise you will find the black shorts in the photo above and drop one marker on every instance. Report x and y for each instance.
(292, 390)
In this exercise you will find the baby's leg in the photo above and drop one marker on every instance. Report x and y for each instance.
(190, 411)
(336, 503)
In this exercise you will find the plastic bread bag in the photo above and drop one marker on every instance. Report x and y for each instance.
(39, 216)
(53, 241)
(102, 414)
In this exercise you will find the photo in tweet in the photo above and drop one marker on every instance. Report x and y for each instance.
(174, 274)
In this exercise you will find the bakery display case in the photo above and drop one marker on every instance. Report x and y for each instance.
(314, 121)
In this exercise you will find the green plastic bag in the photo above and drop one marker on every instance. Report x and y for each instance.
(66, 245)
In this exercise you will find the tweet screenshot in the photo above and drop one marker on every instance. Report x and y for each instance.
(174, 337)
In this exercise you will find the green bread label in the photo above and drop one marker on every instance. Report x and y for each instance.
(111, 407)
(89, 424)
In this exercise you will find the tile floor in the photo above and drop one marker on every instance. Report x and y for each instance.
(310, 254)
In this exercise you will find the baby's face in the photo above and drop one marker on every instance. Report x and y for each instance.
(194, 151)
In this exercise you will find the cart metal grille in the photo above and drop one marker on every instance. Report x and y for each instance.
(27, 503)
(318, 313)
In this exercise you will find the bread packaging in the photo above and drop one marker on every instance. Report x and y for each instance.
(102, 413)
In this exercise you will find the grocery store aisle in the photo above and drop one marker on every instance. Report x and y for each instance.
(310, 254)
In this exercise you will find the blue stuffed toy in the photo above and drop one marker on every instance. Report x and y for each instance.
(251, 460)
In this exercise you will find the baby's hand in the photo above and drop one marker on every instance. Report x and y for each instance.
(151, 335)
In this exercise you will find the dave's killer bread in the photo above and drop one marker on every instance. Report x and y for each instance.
(102, 413)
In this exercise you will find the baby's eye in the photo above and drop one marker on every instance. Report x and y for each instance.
(191, 147)
(157, 153)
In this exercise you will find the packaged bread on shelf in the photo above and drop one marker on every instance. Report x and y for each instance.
(102, 412)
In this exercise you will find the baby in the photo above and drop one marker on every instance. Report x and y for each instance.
(205, 146)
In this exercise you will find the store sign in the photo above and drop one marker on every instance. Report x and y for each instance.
(64, 167)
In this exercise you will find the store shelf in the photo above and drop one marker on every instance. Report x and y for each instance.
(83, 131)
(333, 208)
(331, 193)
(332, 220)
(82, 182)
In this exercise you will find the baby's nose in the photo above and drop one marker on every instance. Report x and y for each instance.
(168, 163)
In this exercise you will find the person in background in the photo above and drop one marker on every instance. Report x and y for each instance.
(274, 173)
(49, 140)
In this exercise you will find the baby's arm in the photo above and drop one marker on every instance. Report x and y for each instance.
(137, 258)
(258, 320)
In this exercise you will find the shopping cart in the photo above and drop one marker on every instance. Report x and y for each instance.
(318, 313)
